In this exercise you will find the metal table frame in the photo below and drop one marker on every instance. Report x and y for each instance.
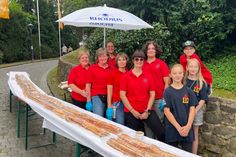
(19, 103)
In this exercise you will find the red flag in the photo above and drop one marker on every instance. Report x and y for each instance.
(4, 10)
(59, 13)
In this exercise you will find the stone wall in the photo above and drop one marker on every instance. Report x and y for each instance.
(63, 69)
(218, 134)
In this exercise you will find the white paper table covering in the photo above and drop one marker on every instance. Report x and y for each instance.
(77, 133)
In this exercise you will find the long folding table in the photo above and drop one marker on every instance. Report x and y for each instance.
(79, 134)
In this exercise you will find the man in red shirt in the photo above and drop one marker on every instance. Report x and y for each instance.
(137, 91)
(189, 53)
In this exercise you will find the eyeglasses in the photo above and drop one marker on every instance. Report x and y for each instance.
(138, 59)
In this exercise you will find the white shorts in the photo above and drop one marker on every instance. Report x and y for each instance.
(198, 120)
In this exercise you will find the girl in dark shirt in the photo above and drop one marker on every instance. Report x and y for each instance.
(196, 82)
(179, 110)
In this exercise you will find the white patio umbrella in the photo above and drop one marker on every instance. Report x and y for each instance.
(104, 17)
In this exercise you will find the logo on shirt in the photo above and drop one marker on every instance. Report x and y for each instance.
(157, 66)
(185, 99)
(145, 80)
(196, 89)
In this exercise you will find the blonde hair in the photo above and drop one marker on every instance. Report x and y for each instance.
(100, 52)
(123, 55)
(199, 73)
(176, 66)
(83, 52)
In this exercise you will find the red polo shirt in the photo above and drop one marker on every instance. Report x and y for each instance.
(98, 76)
(78, 76)
(114, 80)
(112, 62)
(205, 72)
(158, 69)
(137, 89)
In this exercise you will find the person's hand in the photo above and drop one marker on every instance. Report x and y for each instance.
(84, 93)
(197, 108)
(144, 115)
(180, 130)
(136, 114)
(109, 113)
(185, 130)
(161, 105)
(89, 106)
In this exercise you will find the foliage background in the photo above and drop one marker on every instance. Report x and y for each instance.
(210, 23)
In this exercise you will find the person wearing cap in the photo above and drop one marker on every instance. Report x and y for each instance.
(77, 80)
(137, 91)
(96, 84)
(111, 54)
(189, 53)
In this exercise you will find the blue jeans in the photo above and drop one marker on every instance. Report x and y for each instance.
(99, 107)
(119, 114)
(158, 111)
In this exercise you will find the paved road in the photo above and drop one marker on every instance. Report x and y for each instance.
(10, 145)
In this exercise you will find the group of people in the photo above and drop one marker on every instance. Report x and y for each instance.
(169, 102)
(66, 49)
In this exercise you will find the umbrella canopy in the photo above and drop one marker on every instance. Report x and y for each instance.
(104, 17)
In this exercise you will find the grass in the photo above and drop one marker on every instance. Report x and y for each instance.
(224, 76)
(71, 57)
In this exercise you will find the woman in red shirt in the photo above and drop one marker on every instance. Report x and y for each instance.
(137, 91)
(77, 80)
(115, 108)
(111, 54)
(160, 72)
(97, 83)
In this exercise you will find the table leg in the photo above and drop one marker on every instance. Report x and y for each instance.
(53, 137)
(26, 126)
(11, 101)
(77, 150)
(18, 119)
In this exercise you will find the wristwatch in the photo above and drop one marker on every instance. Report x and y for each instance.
(148, 111)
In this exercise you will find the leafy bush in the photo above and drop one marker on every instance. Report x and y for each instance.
(129, 41)
(223, 71)
(202, 21)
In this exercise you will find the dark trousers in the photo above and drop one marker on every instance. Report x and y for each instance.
(79, 103)
(187, 146)
(153, 122)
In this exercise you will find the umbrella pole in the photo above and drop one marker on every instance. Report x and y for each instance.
(104, 37)
(59, 37)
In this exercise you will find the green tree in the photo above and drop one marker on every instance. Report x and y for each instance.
(207, 22)
(14, 38)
